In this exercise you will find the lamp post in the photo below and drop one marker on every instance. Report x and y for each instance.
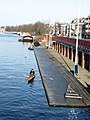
(76, 55)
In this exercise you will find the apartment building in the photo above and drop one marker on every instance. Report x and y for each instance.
(87, 27)
(70, 30)
(74, 25)
(61, 29)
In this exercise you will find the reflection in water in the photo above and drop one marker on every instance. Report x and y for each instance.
(72, 114)
(28, 44)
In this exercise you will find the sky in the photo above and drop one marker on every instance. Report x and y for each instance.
(19, 12)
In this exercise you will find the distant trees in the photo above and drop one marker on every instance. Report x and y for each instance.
(38, 28)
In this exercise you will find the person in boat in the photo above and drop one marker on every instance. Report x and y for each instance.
(32, 72)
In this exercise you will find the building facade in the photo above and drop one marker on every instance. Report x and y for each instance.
(87, 27)
(2, 29)
(70, 30)
(67, 46)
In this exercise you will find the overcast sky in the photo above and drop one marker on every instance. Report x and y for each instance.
(18, 12)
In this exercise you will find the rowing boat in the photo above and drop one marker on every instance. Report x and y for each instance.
(31, 78)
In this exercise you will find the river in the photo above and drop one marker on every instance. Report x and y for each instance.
(20, 100)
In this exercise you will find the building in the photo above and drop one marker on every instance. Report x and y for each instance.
(66, 46)
(70, 30)
(61, 29)
(2, 29)
(74, 25)
(87, 28)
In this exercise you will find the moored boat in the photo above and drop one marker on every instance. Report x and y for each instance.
(31, 47)
(26, 38)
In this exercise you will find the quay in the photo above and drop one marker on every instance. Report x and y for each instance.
(56, 73)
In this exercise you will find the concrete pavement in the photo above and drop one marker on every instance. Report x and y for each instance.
(83, 75)
(55, 70)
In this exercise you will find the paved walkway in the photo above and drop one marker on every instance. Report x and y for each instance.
(83, 75)
(55, 72)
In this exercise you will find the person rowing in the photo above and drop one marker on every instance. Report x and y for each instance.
(31, 76)
(32, 72)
